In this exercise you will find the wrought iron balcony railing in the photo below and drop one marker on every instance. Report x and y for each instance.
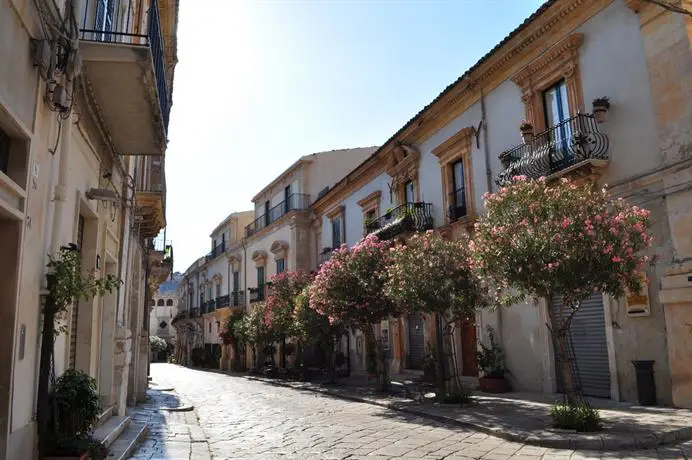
(194, 312)
(222, 301)
(216, 251)
(409, 217)
(325, 255)
(210, 305)
(237, 298)
(257, 294)
(571, 142)
(118, 21)
(294, 202)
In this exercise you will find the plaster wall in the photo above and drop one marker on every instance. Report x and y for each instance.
(279, 233)
(328, 168)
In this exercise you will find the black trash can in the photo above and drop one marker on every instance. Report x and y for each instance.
(646, 386)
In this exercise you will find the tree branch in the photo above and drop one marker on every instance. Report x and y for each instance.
(667, 5)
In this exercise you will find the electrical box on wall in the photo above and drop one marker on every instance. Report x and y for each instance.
(637, 303)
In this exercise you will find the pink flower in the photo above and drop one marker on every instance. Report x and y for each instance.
(566, 222)
(617, 259)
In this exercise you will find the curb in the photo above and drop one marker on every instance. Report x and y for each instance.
(595, 441)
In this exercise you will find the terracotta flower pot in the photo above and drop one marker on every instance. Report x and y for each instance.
(494, 384)
(599, 113)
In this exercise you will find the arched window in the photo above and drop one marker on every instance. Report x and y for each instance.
(160, 303)
(169, 302)
(153, 302)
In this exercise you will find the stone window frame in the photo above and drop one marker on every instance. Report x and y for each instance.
(280, 251)
(337, 212)
(371, 203)
(561, 62)
(402, 166)
(458, 147)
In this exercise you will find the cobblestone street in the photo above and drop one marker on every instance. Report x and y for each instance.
(244, 419)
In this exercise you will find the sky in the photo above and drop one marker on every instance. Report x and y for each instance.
(260, 83)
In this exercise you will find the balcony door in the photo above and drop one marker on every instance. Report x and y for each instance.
(459, 192)
(104, 18)
(409, 192)
(556, 108)
(287, 199)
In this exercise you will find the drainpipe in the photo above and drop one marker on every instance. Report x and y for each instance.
(489, 188)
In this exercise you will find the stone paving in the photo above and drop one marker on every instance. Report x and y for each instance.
(172, 435)
(245, 419)
(524, 417)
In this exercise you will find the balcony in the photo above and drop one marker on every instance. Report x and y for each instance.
(409, 217)
(296, 201)
(150, 196)
(223, 301)
(215, 252)
(209, 306)
(237, 299)
(573, 145)
(257, 294)
(124, 63)
(194, 312)
(325, 255)
(160, 260)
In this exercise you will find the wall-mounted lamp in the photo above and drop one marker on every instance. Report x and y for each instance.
(102, 194)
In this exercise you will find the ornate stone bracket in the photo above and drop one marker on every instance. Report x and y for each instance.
(279, 249)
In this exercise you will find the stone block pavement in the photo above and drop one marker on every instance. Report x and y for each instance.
(238, 418)
(524, 417)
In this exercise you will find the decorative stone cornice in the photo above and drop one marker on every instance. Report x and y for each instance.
(370, 201)
(259, 257)
(458, 144)
(279, 248)
(337, 211)
(566, 53)
(402, 163)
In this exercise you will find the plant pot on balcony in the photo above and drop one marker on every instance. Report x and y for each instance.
(494, 384)
(526, 130)
(601, 106)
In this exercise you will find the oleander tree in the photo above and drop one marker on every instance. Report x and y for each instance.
(280, 306)
(434, 276)
(348, 289)
(560, 239)
(252, 331)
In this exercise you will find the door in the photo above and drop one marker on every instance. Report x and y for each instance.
(469, 363)
(590, 365)
(409, 192)
(287, 199)
(75, 306)
(236, 288)
(416, 341)
(556, 109)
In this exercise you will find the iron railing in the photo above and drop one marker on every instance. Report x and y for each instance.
(325, 255)
(118, 21)
(457, 205)
(237, 298)
(257, 294)
(210, 306)
(407, 217)
(194, 312)
(222, 301)
(161, 245)
(216, 251)
(568, 143)
(294, 202)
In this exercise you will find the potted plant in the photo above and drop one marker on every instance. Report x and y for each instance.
(505, 159)
(429, 365)
(601, 105)
(526, 130)
(491, 361)
(75, 408)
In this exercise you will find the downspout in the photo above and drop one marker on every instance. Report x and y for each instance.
(489, 188)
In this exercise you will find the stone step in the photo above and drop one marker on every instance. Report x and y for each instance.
(127, 443)
(105, 415)
(111, 429)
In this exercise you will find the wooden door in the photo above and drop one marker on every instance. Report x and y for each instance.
(469, 364)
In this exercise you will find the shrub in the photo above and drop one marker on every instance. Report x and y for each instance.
(157, 344)
(576, 417)
(76, 405)
(460, 395)
(491, 360)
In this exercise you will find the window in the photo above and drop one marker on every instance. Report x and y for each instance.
(267, 207)
(280, 266)
(218, 290)
(370, 215)
(169, 302)
(236, 281)
(153, 302)
(223, 242)
(458, 198)
(4, 151)
(337, 232)
(556, 113)
(409, 192)
(260, 283)
(287, 198)
(210, 327)
(160, 303)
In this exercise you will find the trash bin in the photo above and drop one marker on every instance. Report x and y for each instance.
(646, 386)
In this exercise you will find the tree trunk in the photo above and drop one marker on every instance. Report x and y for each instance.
(47, 341)
(559, 333)
(440, 374)
(380, 358)
(282, 352)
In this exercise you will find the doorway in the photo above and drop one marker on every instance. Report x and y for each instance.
(416, 341)
(469, 344)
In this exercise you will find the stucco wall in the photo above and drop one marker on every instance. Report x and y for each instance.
(328, 168)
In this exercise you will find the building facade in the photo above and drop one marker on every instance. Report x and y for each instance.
(163, 308)
(83, 125)
(437, 167)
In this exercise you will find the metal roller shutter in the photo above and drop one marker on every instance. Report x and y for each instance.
(416, 341)
(590, 347)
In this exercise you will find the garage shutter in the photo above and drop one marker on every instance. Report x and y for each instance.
(590, 348)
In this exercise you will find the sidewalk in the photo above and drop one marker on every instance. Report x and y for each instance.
(173, 434)
(523, 417)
